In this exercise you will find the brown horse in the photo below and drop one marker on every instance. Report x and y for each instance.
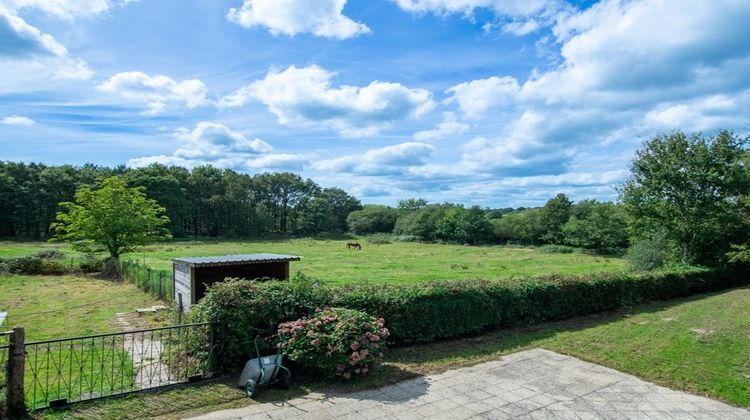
(354, 245)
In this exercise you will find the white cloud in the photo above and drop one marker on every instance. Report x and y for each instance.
(155, 91)
(211, 141)
(467, 7)
(290, 17)
(521, 27)
(448, 127)
(220, 146)
(304, 97)
(17, 120)
(474, 98)
(389, 160)
(21, 40)
(628, 69)
(66, 9)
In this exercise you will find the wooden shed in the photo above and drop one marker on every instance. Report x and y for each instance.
(192, 276)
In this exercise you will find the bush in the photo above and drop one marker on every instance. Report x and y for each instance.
(648, 254)
(49, 254)
(335, 341)
(263, 305)
(32, 265)
(439, 310)
(379, 239)
(557, 249)
(90, 263)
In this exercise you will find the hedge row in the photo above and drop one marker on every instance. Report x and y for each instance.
(437, 310)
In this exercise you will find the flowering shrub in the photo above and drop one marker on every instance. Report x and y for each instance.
(339, 342)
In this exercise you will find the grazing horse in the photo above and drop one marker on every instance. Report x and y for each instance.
(354, 245)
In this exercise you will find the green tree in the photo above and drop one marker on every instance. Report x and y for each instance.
(552, 217)
(371, 219)
(112, 218)
(601, 227)
(695, 189)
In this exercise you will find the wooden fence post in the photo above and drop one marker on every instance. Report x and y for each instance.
(16, 366)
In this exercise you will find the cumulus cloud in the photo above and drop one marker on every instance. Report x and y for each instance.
(448, 127)
(220, 146)
(304, 97)
(627, 70)
(211, 141)
(389, 160)
(155, 91)
(475, 97)
(323, 18)
(17, 120)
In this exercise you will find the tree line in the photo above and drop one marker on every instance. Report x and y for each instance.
(205, 201)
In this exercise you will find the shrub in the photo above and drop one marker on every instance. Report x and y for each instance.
(263, 305)
(32, 265)
(557, 249)
(90, 263)
(335, 341)
(49, 254)
(379, 239)
(648, 254)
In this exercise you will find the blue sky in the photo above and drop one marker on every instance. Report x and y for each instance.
(490, 102)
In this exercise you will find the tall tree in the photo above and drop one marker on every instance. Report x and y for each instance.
(695, 189)
(113, 218)
(552, 217)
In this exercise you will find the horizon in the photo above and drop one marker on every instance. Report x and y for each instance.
(493, 103)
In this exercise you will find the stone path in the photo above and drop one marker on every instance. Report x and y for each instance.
(533, 384)
(145, 351)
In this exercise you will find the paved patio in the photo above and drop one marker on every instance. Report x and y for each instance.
(533, 384)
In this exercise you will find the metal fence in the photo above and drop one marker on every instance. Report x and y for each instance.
(4, 349)
(156, 282)
(62, 371)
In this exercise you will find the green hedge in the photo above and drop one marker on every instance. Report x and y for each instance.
(438, 310)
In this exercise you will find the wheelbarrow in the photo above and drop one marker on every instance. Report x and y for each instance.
(264, 371)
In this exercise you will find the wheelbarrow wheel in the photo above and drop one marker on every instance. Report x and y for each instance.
(285, 379)
(251, 388)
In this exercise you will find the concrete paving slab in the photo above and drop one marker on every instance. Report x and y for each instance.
(533, 384)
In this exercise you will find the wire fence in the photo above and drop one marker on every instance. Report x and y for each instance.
(156, 282)
(63, 371)
(4, 349)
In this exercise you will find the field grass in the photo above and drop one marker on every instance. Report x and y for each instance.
(64, 306)
(395, 263)
(699, 345)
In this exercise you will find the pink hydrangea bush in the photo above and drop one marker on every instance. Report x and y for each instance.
(337, 341)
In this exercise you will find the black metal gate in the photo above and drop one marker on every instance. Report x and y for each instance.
(62, 371)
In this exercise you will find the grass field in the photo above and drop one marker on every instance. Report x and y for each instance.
(699, 345)
(64, 306)
(397, 262)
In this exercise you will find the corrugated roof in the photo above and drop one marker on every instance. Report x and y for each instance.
(236, 259)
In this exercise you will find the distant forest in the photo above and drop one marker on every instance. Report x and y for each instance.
(211, 202)
(203, 202)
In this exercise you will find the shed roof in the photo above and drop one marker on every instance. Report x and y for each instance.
(240, 259)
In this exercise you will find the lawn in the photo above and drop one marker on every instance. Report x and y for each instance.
(64, 306)
(396, 263)
(700, 345)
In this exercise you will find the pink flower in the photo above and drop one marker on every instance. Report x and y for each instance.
(355, 356)
(315, 342)
(364, 353)
(355, 346)
(365, 369)
(340, 367)
(365, 325)
(372, 337)
(384, 332)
